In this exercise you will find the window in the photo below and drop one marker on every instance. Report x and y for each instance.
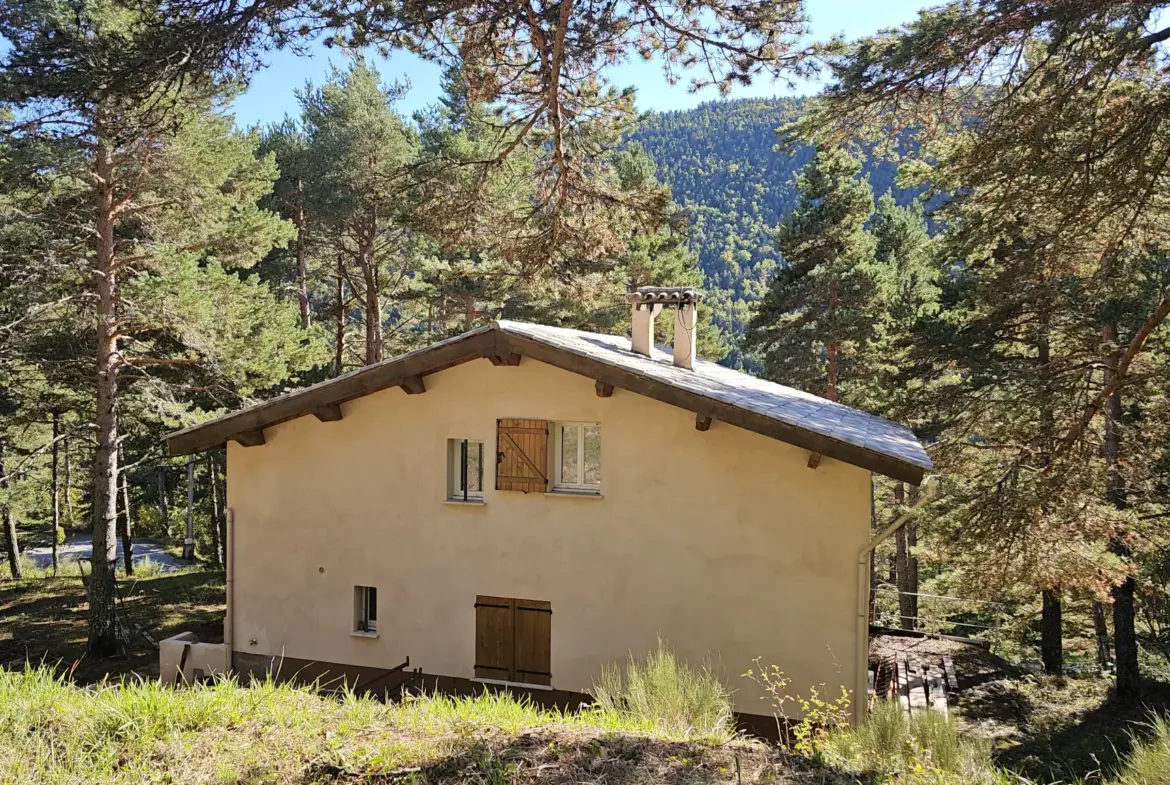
(365, 609)
(577, 457)
(513, 640)
(464, 470)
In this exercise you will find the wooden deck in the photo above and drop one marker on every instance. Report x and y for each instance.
(918, 683)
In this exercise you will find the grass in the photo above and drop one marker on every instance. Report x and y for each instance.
(52, 731)
(666, 695)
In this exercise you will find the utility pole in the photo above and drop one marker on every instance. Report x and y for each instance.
(189, 541)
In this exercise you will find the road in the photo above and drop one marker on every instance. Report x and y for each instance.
(80, 546)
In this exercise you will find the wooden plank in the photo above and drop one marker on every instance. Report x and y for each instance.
(949, 670)
(330, 412)
(624, 379)
(702, 423)
(413, 385)
(604, 390)
(494, 634)
(936, 693)
(372, 378)
(903, 680)
(253, 438)
(917, 685)
(533, 642)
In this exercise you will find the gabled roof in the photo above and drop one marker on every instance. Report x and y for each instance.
(710, 390)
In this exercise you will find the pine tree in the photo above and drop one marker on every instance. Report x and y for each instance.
(147, 201)
(812, 321)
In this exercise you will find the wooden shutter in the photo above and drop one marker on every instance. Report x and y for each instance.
(522, 455)
(533, 648)
(513, 640)
(494, 636)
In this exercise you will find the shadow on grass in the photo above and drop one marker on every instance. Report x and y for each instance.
(46, 619)
(1087, 739)
(613, 759)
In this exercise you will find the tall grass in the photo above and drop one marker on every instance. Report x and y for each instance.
(925, 747)
(1148, 762)
(663, 694)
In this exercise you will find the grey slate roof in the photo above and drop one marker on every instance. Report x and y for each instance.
(784, 404)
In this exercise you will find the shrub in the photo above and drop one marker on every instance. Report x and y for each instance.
(666, 695)
(926, 748)
(1148, 762)
(60, 535)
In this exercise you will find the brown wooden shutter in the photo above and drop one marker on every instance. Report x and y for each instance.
(533, 648)
(494, 638)
(522, 455)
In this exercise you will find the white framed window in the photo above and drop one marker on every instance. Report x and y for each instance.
(464, 470)
(365, 609)
(576, 457)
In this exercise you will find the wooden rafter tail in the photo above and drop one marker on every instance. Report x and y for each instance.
(413, 385)
(603, 390)
(253, 438)
(814, 460)
(329, 412)
(702, 423)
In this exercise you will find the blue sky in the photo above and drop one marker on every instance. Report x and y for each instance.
(271, 94)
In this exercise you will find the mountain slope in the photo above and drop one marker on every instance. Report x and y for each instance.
(720, 162)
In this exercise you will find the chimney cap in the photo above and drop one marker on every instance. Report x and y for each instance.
(665, 295)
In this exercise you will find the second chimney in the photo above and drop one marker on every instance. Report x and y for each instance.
(648, 301)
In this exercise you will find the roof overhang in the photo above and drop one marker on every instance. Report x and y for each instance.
(505, 348)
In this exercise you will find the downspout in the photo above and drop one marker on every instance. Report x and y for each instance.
(229, 569)
(864, 565)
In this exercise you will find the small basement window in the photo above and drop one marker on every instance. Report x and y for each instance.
(365, 609)
(577, 457)
(464, 470)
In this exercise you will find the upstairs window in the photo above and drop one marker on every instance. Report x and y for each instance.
(464, 470)
(365, 609)
(577, 457)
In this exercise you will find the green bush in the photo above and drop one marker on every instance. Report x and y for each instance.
(60, 535)
(1148, 762)
(668, 696)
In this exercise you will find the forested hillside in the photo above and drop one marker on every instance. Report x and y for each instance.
(721, 163)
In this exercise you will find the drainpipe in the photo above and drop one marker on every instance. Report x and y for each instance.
(229, 569)
(864, 565)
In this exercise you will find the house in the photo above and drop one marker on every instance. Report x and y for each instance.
(521, 504)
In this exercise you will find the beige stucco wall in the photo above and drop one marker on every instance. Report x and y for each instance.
(722, 542)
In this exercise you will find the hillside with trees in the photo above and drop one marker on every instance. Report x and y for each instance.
(722, 165)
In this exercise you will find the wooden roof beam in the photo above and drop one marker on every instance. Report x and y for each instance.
(253, 438)
(702, 423)
(329, 412)
(604, 390)
(413, 385)
(814, 460)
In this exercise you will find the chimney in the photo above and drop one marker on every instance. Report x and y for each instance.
(648, 301)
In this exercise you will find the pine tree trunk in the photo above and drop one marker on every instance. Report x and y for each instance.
(339, 338)
(55, 490)
(831, 351)
(1101, 632)
(11, 542)
(1051, 633)
(70, 516)
(103, 638)
(217, 555)
(1129, 685)
(163, 503)
(189, 538)
(127, 539)
(223, 533)
(302, 268)
(373, 303)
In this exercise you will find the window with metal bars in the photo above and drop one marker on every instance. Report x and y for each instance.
(464, 470)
